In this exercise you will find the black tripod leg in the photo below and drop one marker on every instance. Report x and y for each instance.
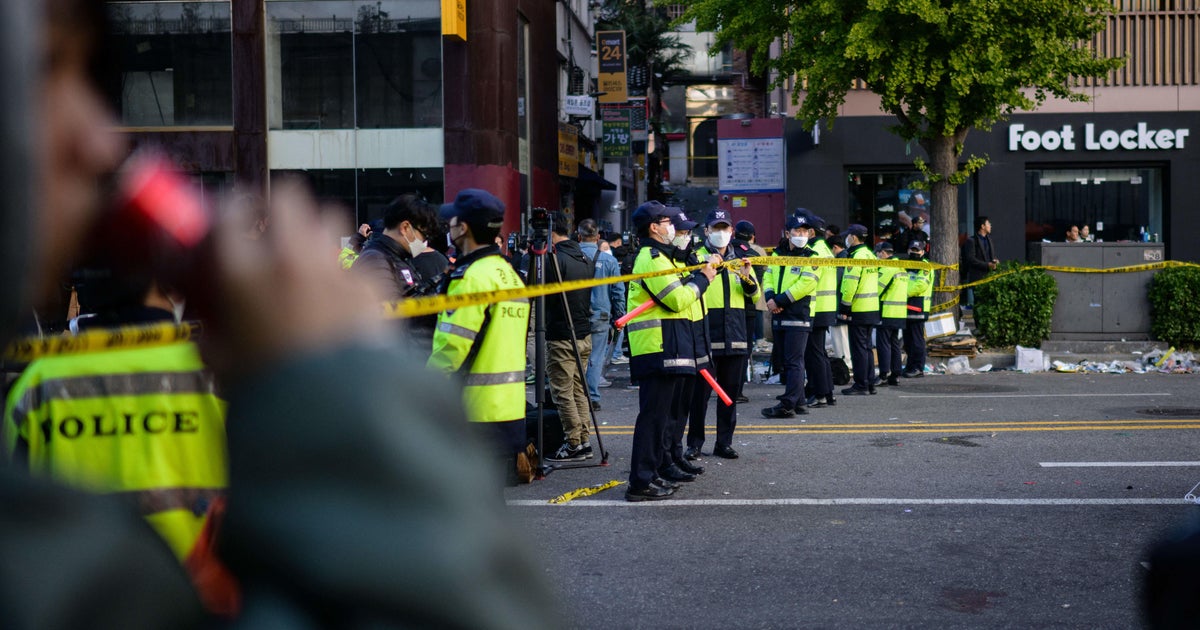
(579, 365)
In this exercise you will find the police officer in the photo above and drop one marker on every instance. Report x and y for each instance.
(142, 422)
(893, 311)
(789, 291)
(484, 344)
(662, 347)
(725, 302)
(920, 292)
(859, 307)
(824, 314)
(677, 467)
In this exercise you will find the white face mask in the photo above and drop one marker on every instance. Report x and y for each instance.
(720, 238)
(849, 243)
(798, 241)
(418, 247)
(670, 235)
(681, 241)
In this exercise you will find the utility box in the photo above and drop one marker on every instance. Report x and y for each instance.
(1099, 306)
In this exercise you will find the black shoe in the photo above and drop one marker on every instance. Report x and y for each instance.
(876, 381)
(595, 405)
(586, 448)
(778, 411)
(567, 453)
(854, 391)
(810, 401)
(815, 404)
(688, 467)
(649, 493)
(674, 473)
(726, 452)
(882, 380)
(913, 374)
(669, 485)
(871, 389)
(741, 399)
(893, 380)
(692, 453)
(830, 401)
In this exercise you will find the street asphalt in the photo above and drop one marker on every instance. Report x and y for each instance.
(993, 500)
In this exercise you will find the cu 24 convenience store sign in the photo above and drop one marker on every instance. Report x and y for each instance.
(1138, 138)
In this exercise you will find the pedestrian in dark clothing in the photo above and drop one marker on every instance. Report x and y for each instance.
(978, 257)
(568, 337)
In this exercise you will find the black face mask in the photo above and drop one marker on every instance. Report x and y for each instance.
(915, 256)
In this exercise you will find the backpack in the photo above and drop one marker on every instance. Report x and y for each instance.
(841, 371)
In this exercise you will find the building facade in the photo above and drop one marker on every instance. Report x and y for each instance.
(364, 99)
(1124, 163)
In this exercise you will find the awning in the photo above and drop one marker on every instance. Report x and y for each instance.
(588, 177)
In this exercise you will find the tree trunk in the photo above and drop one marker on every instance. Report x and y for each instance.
(943, 223)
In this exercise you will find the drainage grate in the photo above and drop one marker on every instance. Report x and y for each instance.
(1173, 412)
(956, 388)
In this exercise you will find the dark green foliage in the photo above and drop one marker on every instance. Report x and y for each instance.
(1015, 309)
(1174, 294)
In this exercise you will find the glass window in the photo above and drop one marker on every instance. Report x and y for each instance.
(364, 192)
(879, 199)
(339, 64)
(176, 63)
(1117, 204)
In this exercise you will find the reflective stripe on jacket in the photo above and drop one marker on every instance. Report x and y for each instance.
(860, 289)
(494, 383)
(142, 423)
(920, 292)
(726, 301)
(662, 340)
(792, 289)
(824, 301)
(893, 303)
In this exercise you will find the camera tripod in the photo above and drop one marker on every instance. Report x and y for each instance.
(538, 248)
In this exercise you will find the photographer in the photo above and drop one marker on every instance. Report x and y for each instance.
(387, 258)
(569, 341)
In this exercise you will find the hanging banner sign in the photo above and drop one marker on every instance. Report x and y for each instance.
(568, 150)
(578, 106)
(617, 135)
(610, 50)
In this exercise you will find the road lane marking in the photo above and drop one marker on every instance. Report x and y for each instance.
(1028, 395)
(980, 428)
(921, 423)
(848, 501)
(1112, 464)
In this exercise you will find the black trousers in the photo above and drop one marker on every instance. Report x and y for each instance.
(792, 342)
(914, 345)
(677, 421)
(887, 345)
(730, 372)
(860, 354)
(656, 395)
(816, 363)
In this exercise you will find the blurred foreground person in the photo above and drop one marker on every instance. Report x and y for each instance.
(341, 511)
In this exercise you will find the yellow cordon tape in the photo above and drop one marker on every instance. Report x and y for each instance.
(584, 492)
(28, 349)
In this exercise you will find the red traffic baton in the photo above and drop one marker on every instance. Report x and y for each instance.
(647, 305)
(712, 382)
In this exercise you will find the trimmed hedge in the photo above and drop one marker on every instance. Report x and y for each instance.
(1174, 297)
(1015, 309)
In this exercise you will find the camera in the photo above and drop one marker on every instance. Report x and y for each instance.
(539, 220)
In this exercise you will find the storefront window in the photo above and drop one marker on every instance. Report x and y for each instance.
(176, 62)
(881, 199)
(340, 64)
(1117, 204)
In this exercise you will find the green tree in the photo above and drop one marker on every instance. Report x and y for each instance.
(941, 67)
(652, 45)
